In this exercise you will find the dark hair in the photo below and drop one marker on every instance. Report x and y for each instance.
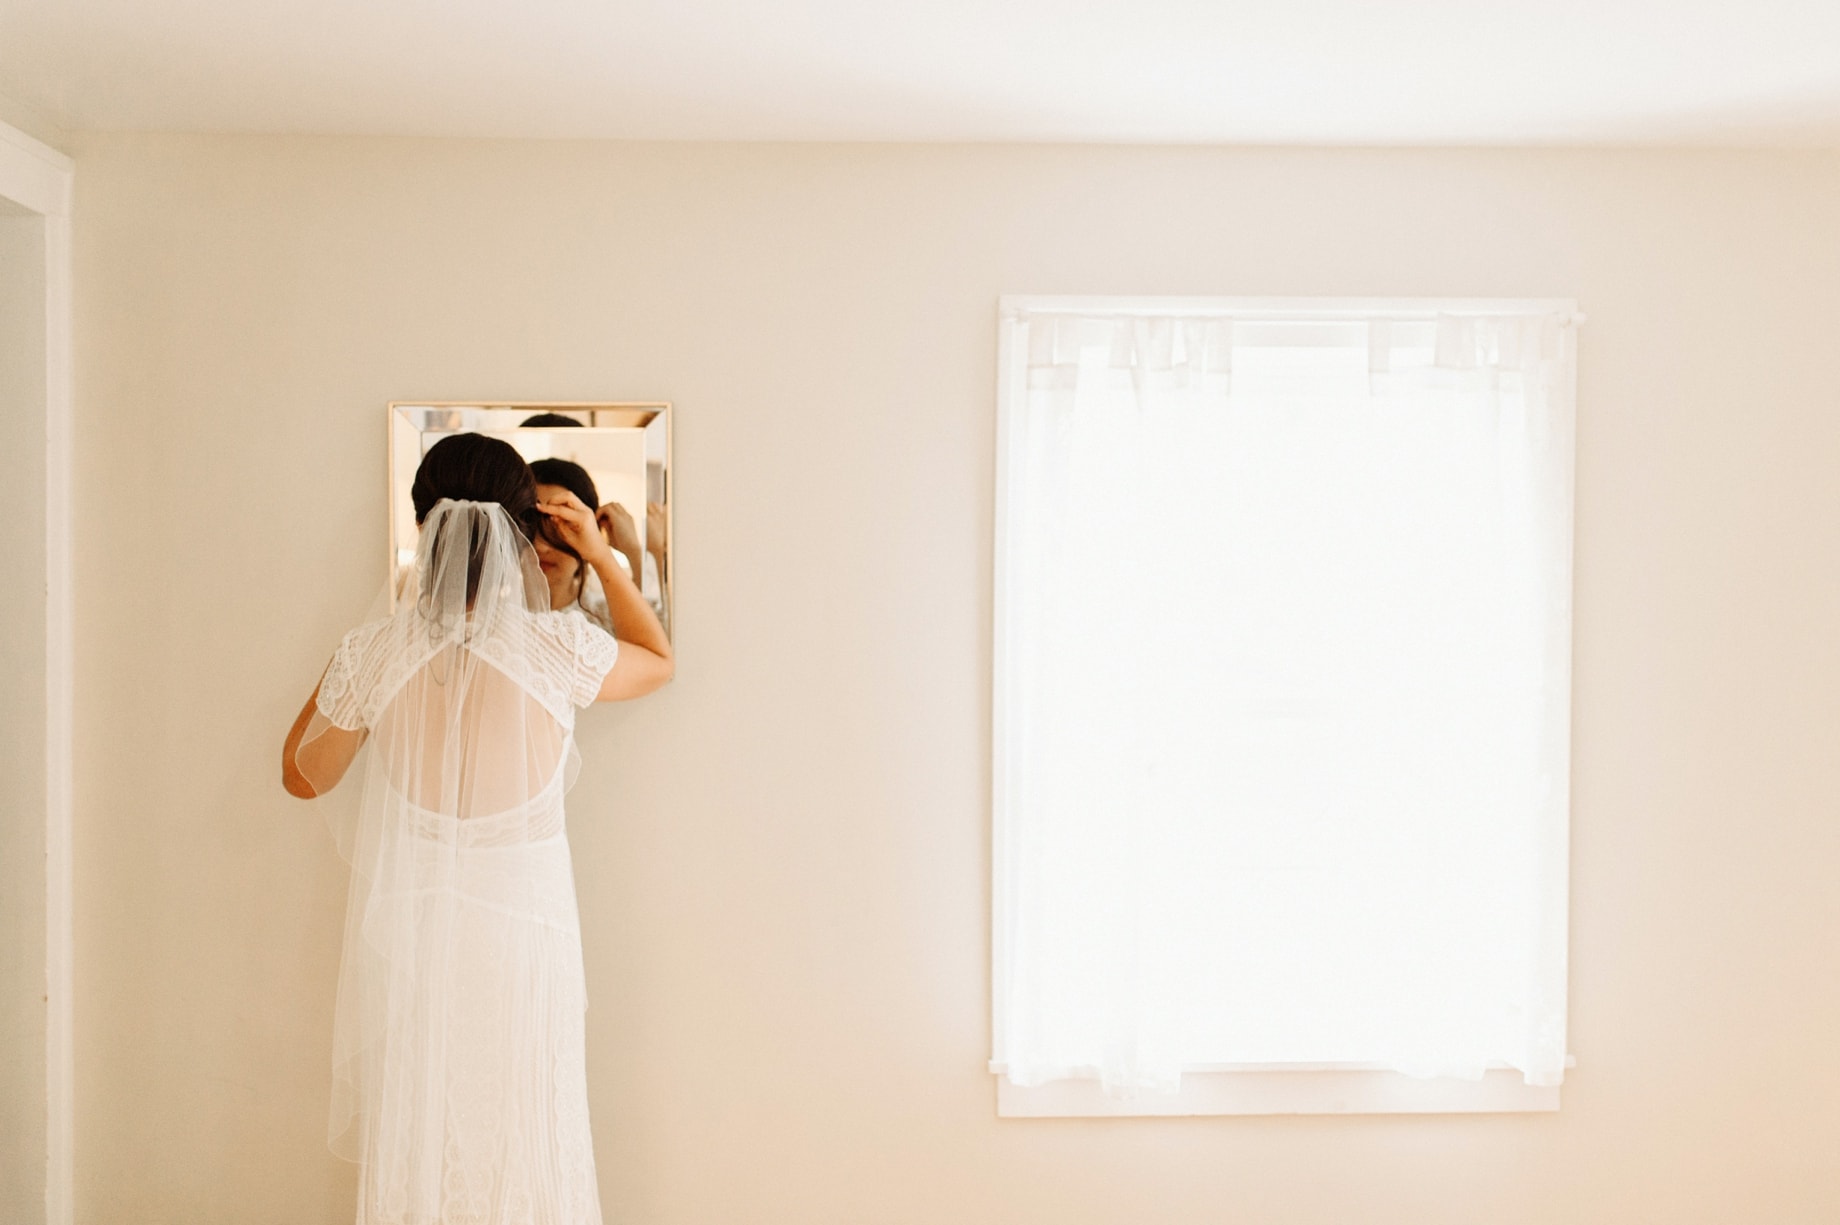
(574, 478)
(568, 474)
(472, 467)
(548, 421)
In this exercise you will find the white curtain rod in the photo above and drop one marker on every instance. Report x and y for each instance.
(1288, 310)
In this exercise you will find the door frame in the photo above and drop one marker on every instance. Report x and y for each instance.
(39, 179)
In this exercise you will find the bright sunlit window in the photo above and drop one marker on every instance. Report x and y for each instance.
(1282, 689)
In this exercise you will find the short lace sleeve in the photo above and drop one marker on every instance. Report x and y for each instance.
(348, 683)
(559, 657)
(595, 653)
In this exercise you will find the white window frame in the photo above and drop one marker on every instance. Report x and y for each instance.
(1273, 1089)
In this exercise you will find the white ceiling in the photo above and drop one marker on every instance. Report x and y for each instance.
(1397, 72)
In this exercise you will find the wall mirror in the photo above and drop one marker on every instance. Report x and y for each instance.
(625, 448)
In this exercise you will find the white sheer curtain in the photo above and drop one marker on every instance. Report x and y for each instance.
(1282, 692)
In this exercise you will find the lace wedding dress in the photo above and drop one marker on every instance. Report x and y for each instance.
(459, 1081)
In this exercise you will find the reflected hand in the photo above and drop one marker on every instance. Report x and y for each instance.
(617, 522)
(575, 525)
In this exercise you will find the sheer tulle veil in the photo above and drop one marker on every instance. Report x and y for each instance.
(462, 954)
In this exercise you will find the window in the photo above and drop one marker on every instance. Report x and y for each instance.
(1281, 705)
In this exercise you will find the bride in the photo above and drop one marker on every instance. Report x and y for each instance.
(459, 1084)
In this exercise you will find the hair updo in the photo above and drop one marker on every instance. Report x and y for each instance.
(474, 468)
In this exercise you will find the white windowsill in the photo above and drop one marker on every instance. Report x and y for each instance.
(1287, 1091)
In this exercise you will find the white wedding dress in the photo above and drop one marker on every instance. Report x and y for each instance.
(459, 1081)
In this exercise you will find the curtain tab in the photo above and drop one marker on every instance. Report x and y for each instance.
(1123, 354)
(1041, 342)
(1156, 344)
(1456, 343)
(1216, 349)
(1379, 346)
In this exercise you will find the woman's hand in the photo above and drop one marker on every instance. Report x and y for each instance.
(575, 525)
(617, 523)
(619, 529)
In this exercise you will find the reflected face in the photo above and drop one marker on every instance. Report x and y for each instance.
(562, 570)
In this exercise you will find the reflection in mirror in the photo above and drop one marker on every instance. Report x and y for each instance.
(624, 448)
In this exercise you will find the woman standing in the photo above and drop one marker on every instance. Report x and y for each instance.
(459, 1081)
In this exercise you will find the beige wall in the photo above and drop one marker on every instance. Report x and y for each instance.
(22, 717)
(33, 123)
(783, 858)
